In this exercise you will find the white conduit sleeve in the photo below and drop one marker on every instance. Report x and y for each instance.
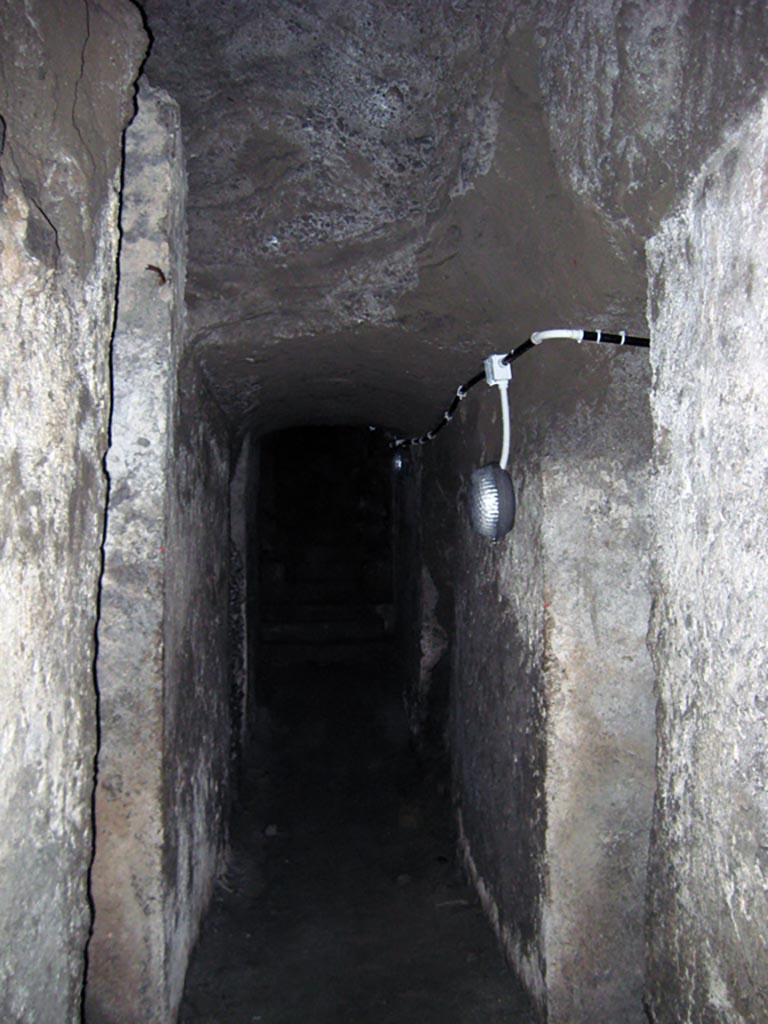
(560, 332)
(504, 393)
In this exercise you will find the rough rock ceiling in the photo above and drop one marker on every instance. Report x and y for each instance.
(373, 202)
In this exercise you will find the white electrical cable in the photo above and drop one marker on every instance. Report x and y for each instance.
(503, 387)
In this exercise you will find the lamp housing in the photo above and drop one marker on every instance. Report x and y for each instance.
(492, 502)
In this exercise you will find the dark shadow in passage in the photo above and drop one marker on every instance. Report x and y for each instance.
(342, 901)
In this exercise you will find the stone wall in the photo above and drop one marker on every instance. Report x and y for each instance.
(197, 733)
(595, 535)
(552, 688)
(707, 941)
(66, 73)
(162, 664)
(243, 592)
(637, 95)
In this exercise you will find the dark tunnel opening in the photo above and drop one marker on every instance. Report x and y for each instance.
(343, 899)
(326, 553)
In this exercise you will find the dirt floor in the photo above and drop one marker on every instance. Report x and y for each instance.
(342, 903)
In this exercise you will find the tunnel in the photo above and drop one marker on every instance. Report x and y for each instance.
(288, 734)
(342, 880)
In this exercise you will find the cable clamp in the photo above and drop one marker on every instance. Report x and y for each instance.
(599, 337)
(623, 337)
(461, 394)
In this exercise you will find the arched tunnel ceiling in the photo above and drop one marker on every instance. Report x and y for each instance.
(383, 192)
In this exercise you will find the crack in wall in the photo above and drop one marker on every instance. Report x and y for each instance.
(78, 83)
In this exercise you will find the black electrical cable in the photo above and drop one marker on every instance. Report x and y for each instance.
(599, 337)
(605, 338)
(461, 393)
(526, 346)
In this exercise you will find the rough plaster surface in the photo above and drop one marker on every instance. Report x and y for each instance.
(162, 656)
(58, 241)
(707, 944)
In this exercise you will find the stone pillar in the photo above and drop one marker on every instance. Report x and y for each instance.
(600, 729)
(127, 975)
(66, 74)
(708, 303)
(163, 780)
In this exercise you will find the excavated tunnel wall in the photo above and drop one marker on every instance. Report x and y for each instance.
(708, 882)
(552, 725)
(550, 680)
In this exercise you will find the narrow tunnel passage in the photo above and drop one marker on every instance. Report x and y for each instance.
(222, 219)
(342, 900)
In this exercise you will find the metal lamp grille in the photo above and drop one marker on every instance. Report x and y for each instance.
(491, 501)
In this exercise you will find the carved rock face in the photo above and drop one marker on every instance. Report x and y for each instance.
(372, 202)
(383, 192)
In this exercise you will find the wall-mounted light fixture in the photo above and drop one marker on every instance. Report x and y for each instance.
(491, 493)
(492, 502)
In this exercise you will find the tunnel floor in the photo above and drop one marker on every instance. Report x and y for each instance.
(342, 901)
